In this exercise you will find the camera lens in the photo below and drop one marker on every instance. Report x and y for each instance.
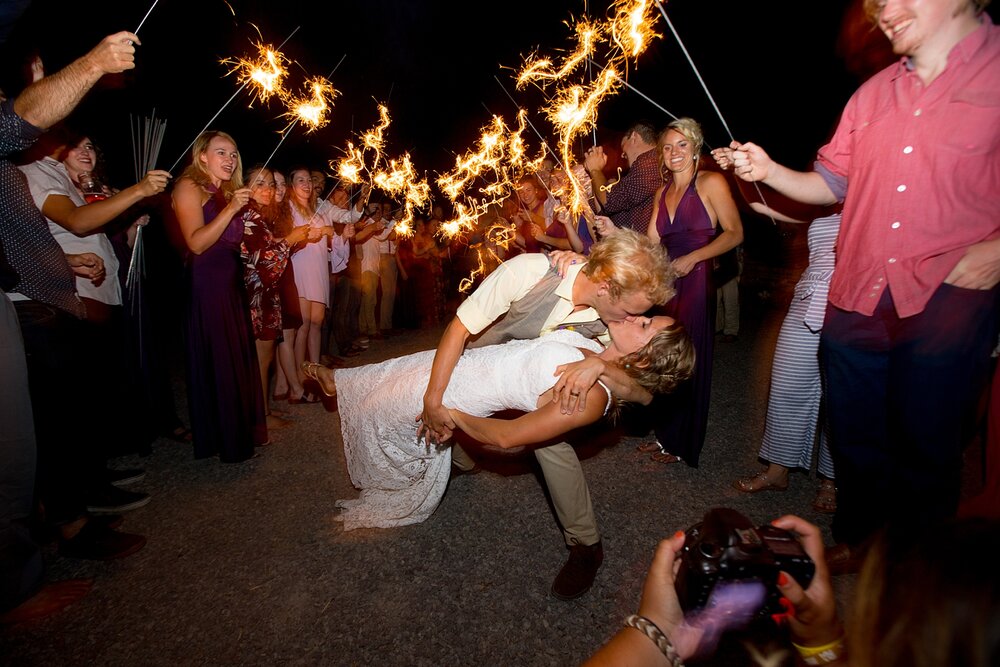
(709, 550)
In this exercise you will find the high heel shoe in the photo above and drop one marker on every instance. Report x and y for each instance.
(311, 370)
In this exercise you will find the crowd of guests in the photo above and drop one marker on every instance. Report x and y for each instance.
(282, 273)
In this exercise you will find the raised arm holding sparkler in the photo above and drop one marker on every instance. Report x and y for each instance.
(52, 98)
(629, 201)
(752, 164)
(83, 220)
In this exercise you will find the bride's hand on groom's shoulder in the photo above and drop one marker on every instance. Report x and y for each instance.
(561, 260)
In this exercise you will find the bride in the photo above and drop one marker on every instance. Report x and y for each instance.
(402, 478)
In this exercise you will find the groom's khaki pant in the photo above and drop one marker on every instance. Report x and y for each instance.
(567, 488)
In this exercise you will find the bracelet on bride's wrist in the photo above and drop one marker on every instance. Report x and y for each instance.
(653, 632)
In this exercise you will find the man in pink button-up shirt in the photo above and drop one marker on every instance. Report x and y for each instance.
(913, 312)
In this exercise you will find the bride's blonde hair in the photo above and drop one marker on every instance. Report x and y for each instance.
(659, 365)
(662, 363)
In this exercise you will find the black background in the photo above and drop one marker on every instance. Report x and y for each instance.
(773, 67)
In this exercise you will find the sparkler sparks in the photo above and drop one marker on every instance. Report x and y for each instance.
(351, 167)
(267, 73)
(572, 106)
(631, 27)
(311, 110)
(374, 138)
(398, 179)
(540, 69)
(402, 180)
(483, 178)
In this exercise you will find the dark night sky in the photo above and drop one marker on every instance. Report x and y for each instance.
(774, 71)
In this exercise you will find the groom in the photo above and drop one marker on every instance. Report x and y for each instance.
(525, 298)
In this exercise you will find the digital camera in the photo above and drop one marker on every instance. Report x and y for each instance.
(726, 547)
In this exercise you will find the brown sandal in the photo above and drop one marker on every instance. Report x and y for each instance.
(650, 447)
(826, 497)
(666, 458)
(759, 482)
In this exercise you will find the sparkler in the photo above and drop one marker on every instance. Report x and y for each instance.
(648, 98)
(541, 138)
(143, 21)
(539, 69)
(573, 111)
(147, 137)
(352, 167)
(374, 138)
(311, 109)
(708, 93)
(304, 111)
(223, 107)
(267, 73)
(687, 55)
(397, 179)
(401, 179)
(488, 172)
(572, 107)
(630, 27)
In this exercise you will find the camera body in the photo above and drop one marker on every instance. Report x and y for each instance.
(727, 547)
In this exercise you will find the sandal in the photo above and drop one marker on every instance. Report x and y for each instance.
(311, 370)
(280, 397)
(826, 497)
(666, 458)
(759, 482)
(650, 447)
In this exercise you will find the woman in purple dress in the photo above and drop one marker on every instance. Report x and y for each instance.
(224, 395)
(687, 213)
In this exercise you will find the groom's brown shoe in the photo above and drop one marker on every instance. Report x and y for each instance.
(577, 575)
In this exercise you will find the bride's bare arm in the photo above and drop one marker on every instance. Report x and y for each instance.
(578, 377)
(541, 425)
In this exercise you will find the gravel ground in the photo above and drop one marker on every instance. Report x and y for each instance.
(245, 565)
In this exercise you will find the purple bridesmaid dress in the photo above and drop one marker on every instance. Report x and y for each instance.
(681, 418)
(224, 394)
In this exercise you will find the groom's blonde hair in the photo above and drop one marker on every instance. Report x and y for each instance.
(629, 262)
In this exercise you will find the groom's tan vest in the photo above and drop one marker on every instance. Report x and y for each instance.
(526, 316)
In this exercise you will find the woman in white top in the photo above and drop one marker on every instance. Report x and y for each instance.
(75, 224)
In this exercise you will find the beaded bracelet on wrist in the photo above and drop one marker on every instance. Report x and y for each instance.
(650, 629)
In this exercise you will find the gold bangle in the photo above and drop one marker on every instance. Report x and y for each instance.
(822, 655)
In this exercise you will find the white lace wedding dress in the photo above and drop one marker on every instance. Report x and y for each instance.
(401, 479)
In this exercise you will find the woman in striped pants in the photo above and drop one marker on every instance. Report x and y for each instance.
(796, 388)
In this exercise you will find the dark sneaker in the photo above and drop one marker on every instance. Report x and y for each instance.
(112, 500)
(98, 542)
(577, 575)
(125, 477)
